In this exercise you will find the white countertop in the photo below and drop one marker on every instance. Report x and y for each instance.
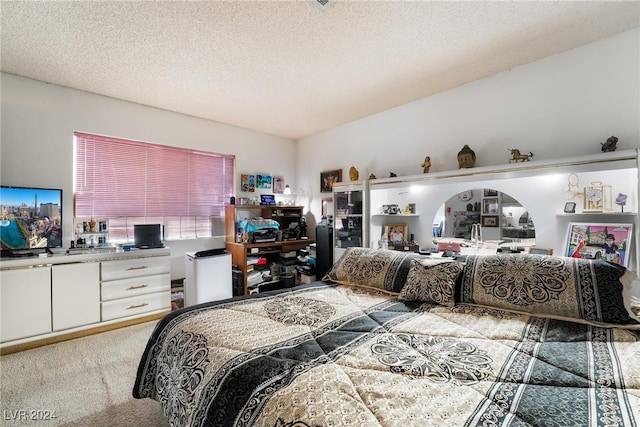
(63, 258)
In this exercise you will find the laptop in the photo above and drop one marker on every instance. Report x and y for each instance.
(267, 199)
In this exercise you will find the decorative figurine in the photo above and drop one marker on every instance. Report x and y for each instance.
(466, 157)
(610, 145)
(426, 164)
(392, 175)
(372, 176)
(302, 227)
(353, 173)
(516, 156)
(92, 225)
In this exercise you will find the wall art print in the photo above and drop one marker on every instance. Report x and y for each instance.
(611, 242)
(278, 184)
(248, 183)
(263, 181)
(328, 178)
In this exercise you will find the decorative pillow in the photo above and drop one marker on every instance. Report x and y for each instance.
(432, 280)
(550, 286)
(381, 269)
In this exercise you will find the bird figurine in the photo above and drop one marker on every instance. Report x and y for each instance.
(426, 164)
(610, 145)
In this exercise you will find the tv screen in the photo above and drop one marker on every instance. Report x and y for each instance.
(147, 236)
(30, 218)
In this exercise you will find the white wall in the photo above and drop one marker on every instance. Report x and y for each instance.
(38, 121)
(560, 106)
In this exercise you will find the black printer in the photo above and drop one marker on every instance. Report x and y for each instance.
(263, 235)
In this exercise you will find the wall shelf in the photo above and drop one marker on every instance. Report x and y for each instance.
(608, 214)
(396, 215)
(539, 186)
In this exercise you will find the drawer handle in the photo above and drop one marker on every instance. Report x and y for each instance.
(137, 268)
(137, 306)
(130, 288)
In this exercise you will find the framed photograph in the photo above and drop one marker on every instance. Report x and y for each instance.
(328, 178)
(490, 193)
(490, 220)
(490, 206)
(396, 233)
(570, 207)
(608, 241)
(541, 251)
(278, 184)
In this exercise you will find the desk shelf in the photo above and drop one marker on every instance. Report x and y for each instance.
(285, 216)
(241, 251)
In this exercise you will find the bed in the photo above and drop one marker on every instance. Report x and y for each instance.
(399, 339)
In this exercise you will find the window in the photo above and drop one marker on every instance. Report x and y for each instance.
(131, 182)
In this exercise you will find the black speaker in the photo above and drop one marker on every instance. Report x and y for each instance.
(324, 250)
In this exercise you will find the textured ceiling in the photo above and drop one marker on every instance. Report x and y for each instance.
(289, 68)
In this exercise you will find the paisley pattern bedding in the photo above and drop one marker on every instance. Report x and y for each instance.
(335, 355)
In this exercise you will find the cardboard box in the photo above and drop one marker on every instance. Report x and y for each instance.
(307, 279)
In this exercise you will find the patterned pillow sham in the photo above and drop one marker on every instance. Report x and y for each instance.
(381, 269)
(432, 280)
(594, 291)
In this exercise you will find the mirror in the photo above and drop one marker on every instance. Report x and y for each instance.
(502, 218)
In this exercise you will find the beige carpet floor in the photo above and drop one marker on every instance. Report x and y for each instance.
(83, 382)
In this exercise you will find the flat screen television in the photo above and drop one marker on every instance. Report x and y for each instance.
(147, 236)
(30, 218)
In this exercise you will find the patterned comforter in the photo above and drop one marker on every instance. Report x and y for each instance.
(334, 355)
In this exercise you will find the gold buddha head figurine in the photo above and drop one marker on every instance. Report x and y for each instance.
(353, 173)
(466, 157)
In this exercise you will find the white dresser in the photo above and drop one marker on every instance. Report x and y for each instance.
(134, 286)
(44, 300)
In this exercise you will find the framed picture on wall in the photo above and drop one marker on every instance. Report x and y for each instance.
(248, 183)
(490, 220)
(490, 206)
(278, 184)
(328, 178)
(608, 241)
(263, 181)
(396, 233)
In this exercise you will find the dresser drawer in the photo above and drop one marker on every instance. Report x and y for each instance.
(134, 286)
(126, 268)
(136, 305)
